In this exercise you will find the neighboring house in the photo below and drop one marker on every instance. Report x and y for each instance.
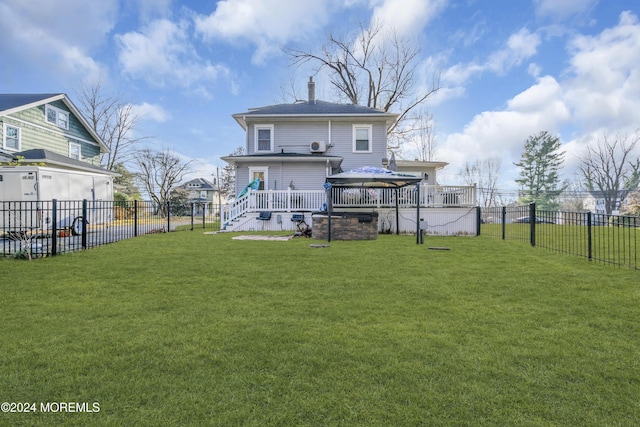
(47, 130)
(293, 148)
(204, 193)
(596, 202)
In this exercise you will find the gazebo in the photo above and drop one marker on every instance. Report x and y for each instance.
(374, 178)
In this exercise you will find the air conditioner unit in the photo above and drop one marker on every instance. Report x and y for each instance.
(318, 147)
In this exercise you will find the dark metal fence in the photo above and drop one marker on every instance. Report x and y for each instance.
(37, 229)
(610, 239)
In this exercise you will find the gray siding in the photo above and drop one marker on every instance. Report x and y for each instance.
(342, 137)
(304, 175)
(291, 137)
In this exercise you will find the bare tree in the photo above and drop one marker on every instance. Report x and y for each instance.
(421, 136)
(113, 119)
(159, 172)
(573, 196)
(372, 70)
(228, 180)
(484, 174)
(611, 167)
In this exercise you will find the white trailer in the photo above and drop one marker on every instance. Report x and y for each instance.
(32, 188)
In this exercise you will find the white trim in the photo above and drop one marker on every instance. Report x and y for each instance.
(75, 144)
(63, 124)
(264, 170)
(257, 128)
(4, 137)
(369, 129)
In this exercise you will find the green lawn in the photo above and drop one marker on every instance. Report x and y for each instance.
(195, 329)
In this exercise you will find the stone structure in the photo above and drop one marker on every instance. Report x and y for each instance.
(346, 226)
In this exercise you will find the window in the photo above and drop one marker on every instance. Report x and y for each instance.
(264, 138)
(362, 138)
(261, 173)
(56, 116)
(203, 194)
(11, 138)
(75, 151)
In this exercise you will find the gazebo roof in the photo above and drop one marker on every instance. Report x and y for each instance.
(373, 177)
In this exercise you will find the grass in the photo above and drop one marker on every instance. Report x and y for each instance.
(195, 329)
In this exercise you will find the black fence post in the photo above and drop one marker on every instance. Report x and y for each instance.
(478, 219)
(589, 250)
(532, 224)
(503, 222)
(193, 213)
(204, 214)
(135, 218)
(168, 216)
(54, 227)
(418, 225)
(84, 224)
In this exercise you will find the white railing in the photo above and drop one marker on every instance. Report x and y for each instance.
(315, 200)
(430, 196)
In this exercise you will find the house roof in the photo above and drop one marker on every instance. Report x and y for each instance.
(202, 183)
(12, 103)
(312, 109)
(39, 155)
(372, 177)
(284, 157)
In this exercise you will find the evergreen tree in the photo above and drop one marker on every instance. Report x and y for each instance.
(539, 166)
(125, 182)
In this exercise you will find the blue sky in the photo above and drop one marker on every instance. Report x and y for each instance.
(510, 68)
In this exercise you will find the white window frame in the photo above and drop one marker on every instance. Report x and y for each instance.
(263, 169)
(4, 137)
(258, 128)
(62, 117)
(369, 129)
(79, 147)
(203, 194)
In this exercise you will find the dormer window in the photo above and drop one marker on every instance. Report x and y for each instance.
(56, 116)
(362, 139)
(264, 138)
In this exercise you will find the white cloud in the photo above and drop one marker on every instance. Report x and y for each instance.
(268, 24)
(60, 42)
(502, 133)
(162, 55)
(406, 17)
(148, 111)
(603, 87)
(599, 93)
(519, 47)
(561, 9)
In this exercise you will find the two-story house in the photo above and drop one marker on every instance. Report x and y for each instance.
(204, 193)
(291, 150)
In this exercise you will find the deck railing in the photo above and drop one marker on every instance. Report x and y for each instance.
(315, 200)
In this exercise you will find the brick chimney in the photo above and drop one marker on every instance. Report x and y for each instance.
(312, 91)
